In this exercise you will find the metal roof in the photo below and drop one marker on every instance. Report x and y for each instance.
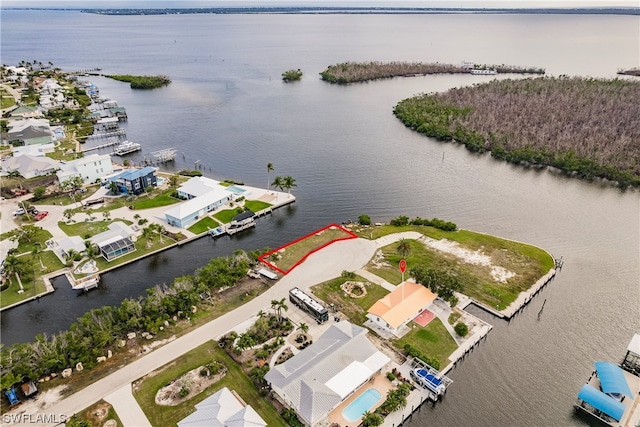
(602, 402)
(131, 174)
(612, 379)
(634, 345)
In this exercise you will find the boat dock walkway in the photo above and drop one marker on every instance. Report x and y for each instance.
(105, 145)
(84, 284)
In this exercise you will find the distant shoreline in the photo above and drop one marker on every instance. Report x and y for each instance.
(632, 11)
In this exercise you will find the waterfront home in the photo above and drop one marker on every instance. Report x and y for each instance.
(197, 186)
(337, 365)
(116, 241)
(185, 213)
(223, 408)
(30, 166)
(39, 150)
(393, 311)
(24, 112)
(90, 168)
(136, 181)
(20, 130)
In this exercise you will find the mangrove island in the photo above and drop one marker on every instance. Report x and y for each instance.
(141, 82)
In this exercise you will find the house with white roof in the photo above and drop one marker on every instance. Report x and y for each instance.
(225, 409)
(91, 168)
(393, 311)
(30, 166)
(116, 241)
(320, 377)
(203, 195)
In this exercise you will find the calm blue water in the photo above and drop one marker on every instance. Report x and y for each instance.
(228, 109)
(362, 404)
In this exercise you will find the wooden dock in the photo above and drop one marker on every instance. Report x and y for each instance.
(84, 284)
(105, 145)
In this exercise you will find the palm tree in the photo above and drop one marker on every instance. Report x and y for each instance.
(13, 265)
(148, 234)
(404, 248)
(261, 314)
(289, 182)
(304, 328)
(281, 305)
(277, 184)
(106, 215)
(68, 214)
(37, 252)
(371, 419)
(269, 169)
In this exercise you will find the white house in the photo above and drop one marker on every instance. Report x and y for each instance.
(225, 409)
(91, 168)
(30, 166)
(185, 213)
(323, 375)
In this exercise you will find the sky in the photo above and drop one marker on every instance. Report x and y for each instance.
(352, 3)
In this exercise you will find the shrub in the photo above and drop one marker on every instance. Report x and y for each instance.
(348, 274)
(184, 391)
(399, 221)
(461, 329)
(292, 75)
(364, 220)
(390, 376)
(414, 352)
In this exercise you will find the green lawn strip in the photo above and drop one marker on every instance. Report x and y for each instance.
(7, 101)
(87, 228)
(142, 248)
(145, 389)
(154, 201)
(203, 225)
(226, 216)
(354, 308)
(41, 236)
(295, 252)
(433, 340)
(90, 415)
(256, 205)
(528, 262)
(11, 296)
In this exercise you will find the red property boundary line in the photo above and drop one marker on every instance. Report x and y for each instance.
(263, 257)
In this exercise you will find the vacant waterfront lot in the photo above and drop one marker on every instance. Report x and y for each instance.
(288, 256)
(433, 340)
(482, 262)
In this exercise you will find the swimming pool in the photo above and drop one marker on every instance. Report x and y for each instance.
(362, 404)
(235, 190)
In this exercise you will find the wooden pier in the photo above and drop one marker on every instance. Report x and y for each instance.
(105, 145)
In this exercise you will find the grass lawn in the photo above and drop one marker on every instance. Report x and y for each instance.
(226, 216)
(528, 262)
(256, 205)
(432, 340)
(299, 250)
(88, 228)
(203, 225)
(93, 412)
(354, 308)
(41, 236)
(145, 389)
(7, 99)
(155, 201)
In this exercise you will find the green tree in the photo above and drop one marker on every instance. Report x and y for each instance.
(113, 187)
(72, 185)
(38, 192)
(364, 220)
(371, 419)
(68, 214)
(106, 215)
(37, 253)
(278, 183)
(15, 266)
(288, 182)
(269, 169)
(461, 329)
(404, 248)
(148, 234)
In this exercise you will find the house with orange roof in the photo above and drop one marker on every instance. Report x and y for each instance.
(393, 311)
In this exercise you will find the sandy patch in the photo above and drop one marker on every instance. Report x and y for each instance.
(499, 274)
(169, 395)
(41, 401)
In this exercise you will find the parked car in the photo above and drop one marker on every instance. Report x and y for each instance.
(19, 212)
(32, 210)
(41, 215)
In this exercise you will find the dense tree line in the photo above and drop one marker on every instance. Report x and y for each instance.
(142, 82)
(350, 72)
(584, 126)
(435, 222)
(99, 329)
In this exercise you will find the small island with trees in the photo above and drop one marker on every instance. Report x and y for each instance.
(351, 72)
(630, 72)
(583, 126)
(292, 75)
(141, 82)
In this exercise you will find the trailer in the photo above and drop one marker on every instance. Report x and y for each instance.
(309, 304)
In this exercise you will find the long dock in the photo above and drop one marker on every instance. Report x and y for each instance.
(105, 145)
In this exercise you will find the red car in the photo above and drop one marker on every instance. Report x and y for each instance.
(41, 215)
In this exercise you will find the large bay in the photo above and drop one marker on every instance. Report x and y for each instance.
(228, 108)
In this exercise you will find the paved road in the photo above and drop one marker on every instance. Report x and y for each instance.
(323, 265)
(16, 96)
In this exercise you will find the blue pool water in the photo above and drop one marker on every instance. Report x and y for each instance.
(362, 404)
(236, 190)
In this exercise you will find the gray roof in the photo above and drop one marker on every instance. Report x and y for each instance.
(321, 376)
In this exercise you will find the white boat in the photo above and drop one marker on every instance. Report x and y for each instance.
(127, 147)
(483, 72)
